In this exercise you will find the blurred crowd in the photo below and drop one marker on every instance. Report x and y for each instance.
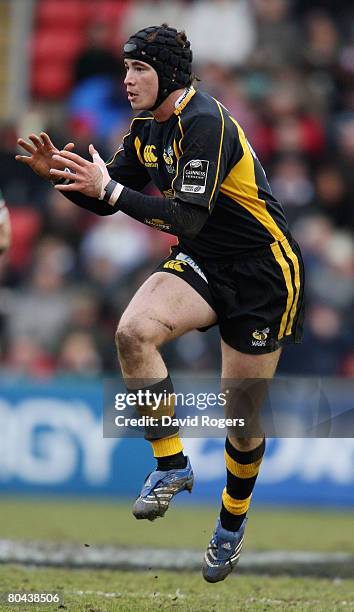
(285, 70)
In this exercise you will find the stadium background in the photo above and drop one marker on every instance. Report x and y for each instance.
(285, 69)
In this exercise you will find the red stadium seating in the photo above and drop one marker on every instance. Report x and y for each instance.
(71, 13)
(56, 43)
(107, 10)
(59, 34)
(67, 13)
(51, 80)
(25, 226)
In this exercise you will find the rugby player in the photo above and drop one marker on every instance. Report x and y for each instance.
(236, 264)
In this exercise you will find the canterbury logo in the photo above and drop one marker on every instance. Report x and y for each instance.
(175, 264)
(149, 155)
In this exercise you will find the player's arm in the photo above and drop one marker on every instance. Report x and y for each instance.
(106, 194)
(5, 227)
(124, 167)
(200, 171)
(41, 159)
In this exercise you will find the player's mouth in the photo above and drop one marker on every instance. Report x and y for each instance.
(132, 96)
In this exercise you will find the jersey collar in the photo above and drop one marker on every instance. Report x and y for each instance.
(183, 100)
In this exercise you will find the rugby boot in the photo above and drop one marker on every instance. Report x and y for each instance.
(223, 552)
(158, 490)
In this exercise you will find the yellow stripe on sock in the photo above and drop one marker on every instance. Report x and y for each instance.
(167, 446)
(241, 470)
(235, 506)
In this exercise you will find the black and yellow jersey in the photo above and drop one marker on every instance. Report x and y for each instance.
(200, 155)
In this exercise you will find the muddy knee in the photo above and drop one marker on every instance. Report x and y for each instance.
(130, 340)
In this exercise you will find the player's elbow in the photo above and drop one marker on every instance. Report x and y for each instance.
(193, 230)
(190, 218)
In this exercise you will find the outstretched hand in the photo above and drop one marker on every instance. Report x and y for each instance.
(89, 178)
(41, 151)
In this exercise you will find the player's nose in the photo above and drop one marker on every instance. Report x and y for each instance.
(129, 80)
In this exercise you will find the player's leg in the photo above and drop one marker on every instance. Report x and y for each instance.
(243, 455)
(164, 308)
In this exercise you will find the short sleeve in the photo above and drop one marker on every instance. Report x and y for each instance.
(204, 159)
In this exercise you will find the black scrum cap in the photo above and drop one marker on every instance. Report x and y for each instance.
(169, 54)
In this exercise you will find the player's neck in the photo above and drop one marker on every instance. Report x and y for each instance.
(167, 108)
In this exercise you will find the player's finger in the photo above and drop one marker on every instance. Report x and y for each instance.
(71, 187)
(95, 154)
(46, 140)
(69, 147)
(62, 174)
(26, 146)
(36, 141)
(67, 162)
(74, 157)
(23, 158)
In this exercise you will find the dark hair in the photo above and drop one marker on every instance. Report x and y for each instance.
(180, 36)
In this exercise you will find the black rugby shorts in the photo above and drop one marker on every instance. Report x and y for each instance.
(258, 298)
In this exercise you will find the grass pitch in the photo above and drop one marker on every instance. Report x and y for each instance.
(183, 527)
(92, 522)
(103, 591)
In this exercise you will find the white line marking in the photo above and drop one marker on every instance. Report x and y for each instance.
(143, 595)
(57, 554)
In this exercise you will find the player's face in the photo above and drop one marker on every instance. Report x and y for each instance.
(142, 84)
